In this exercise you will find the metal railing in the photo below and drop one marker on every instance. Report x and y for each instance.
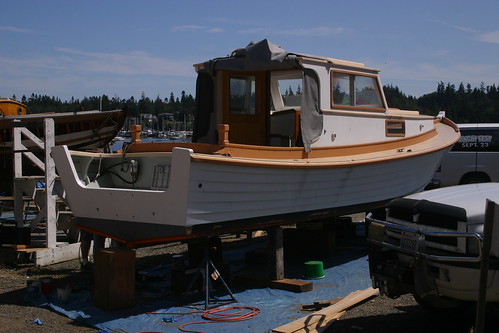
(420, 250)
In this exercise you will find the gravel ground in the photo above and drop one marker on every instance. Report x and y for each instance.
(18, 315)
(382, 314)
(379, 314)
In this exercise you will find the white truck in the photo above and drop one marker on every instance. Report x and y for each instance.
(473, 159)
(430, 244)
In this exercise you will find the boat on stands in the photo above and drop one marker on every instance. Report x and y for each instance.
(79, 130)
(278, 138)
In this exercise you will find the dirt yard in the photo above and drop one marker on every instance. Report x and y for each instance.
(379, 314)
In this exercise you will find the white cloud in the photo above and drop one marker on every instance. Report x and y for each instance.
(197, 28)
(132, 63)
(458, 27)
(489, 37)
(78, 73)
(215, 30)
(16, 29)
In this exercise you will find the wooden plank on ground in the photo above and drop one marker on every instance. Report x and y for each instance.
(321, 319)
(323, 326)
(58, 254)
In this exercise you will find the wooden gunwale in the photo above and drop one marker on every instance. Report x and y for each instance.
(320, 157)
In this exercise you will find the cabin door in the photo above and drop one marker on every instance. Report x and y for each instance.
(245, 107)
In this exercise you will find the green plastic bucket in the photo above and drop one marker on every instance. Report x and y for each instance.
(314, 270)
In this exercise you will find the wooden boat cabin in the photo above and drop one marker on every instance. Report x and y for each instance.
(271, 97)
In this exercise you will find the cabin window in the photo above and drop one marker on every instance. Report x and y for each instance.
(243, 95)
(351, 90)
(286, 88)
(291, 92)
(341, 86)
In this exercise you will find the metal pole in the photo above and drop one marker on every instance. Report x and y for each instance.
(223, 281)
(206, 281)
(484, 266)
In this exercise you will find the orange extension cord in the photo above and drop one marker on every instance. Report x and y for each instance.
(219, 315)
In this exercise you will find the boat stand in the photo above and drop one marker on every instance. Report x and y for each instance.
(204, 270)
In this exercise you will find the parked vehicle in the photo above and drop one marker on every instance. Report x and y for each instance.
(430, 244)
(473, 159)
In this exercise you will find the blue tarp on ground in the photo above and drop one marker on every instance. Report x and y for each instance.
(346, 272)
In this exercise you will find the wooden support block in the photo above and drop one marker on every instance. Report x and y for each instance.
(282, 284)
(114, 278)
(296, 286)
(275, 253)
(318, 321)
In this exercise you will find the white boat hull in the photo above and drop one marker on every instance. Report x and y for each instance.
(203, 197)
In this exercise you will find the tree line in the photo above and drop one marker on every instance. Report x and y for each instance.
(464, 104)
(182, 108)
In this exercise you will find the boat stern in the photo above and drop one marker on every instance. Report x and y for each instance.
(107, 192)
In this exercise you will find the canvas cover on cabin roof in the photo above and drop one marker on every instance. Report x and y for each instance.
(266, 56)
(257, 56)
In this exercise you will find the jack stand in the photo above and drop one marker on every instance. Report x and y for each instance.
(207, 263)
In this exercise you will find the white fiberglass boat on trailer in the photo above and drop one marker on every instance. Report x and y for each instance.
(279, 137)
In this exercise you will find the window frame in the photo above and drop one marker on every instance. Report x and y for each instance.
(276, 95)
(252, 98)
(352, 106)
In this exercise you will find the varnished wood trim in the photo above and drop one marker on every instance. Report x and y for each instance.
(328, 157)
(401, 114)
(439, 138)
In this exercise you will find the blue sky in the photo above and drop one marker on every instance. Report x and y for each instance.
(125, 48)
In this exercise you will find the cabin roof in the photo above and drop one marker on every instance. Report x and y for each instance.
(12, 101)
(265, 55)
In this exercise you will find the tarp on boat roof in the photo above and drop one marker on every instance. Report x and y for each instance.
(257, 56)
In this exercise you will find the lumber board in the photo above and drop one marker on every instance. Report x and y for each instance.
(318, 320)
(49, 256)
(324, 324)
(319, 305)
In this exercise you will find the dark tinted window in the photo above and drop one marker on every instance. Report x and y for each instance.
(478, 140)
